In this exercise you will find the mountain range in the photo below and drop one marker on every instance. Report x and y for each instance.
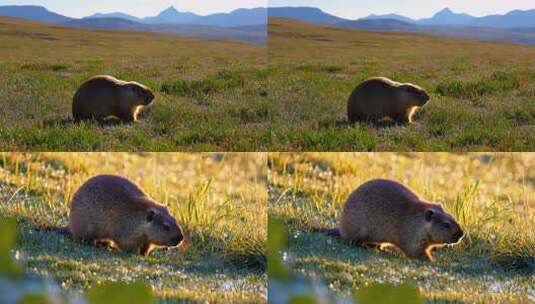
(513, 19)
(248, 25)
(239, 17)
(516, 26)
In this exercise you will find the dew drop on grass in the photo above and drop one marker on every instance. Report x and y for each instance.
(285, 256)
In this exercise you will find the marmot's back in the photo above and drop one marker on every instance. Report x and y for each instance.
(369, 100)
(95, 193)
(104, 202)
(94, 96)
(378, 206)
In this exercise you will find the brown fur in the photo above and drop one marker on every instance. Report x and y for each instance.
(111, 210)
(386, 213)
(103, 96)
(380, 97)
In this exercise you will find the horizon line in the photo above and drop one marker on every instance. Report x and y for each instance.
(134, 15)
(398, 13)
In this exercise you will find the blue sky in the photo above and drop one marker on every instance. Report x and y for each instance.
(354, 9)
(140, 8)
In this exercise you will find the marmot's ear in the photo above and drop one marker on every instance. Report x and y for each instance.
(429, 215)
(150, 215)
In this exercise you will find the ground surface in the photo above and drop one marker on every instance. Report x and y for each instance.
(217, 199)
(492, 197)
(210, 95)
(482, 93)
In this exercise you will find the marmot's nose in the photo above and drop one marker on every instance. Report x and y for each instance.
(458, 236)
(176, 240)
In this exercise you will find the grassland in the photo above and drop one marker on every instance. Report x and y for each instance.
(210, 95)
(491, 195)
(218, 199)
(482, 93)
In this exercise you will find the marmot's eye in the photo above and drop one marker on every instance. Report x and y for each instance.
(446, 225)
(166, 227)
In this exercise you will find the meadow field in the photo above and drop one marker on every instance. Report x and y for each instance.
(216, 198)
(491, 195)
(482, 93)
(210, 95)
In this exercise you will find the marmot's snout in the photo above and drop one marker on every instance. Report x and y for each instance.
(425, 97)
(176, 240)
(176, 236)
(149, 97)
(457, 237)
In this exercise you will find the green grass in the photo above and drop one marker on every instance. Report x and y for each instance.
(490, 195)
(202, 88)
(216, 198)
(481, 92)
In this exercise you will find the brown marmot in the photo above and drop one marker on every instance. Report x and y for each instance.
(103, 96)
(380, 97)
(112, 210)
(384, 212)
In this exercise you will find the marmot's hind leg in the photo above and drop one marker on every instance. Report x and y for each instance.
(105, 243)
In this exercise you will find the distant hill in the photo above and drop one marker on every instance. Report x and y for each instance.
(391, 16)
(445, 17)
(247, 25)
(171, 15)
(103, 23)
(379, 24)
(308, 14)
(239, 17)
(519, 35)
(31, 12)
(253, 34)
(116, 15)
(514, 19)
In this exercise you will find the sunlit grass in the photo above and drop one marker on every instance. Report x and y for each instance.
(481, 92)
(202, 87)
(216, 198)
(491, 195)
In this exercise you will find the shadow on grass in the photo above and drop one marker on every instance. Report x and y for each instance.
(468, 261)
(342, 123)
(68, 121)
(45, 242)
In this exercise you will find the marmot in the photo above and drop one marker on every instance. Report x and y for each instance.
(380, 97)
(103, 96)
(112, 210)
(384, 212)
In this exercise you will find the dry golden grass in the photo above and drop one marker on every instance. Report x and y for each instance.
(491, 195)
(216, 198)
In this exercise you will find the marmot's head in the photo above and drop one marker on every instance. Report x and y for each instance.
(415, 95)
(140, 92)
(441, 227)
(161, 228)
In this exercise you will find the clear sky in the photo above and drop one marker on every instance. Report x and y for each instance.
(354, 9)
(139, 8)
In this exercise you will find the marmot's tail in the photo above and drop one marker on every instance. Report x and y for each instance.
(327, 231)
(60, 230)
